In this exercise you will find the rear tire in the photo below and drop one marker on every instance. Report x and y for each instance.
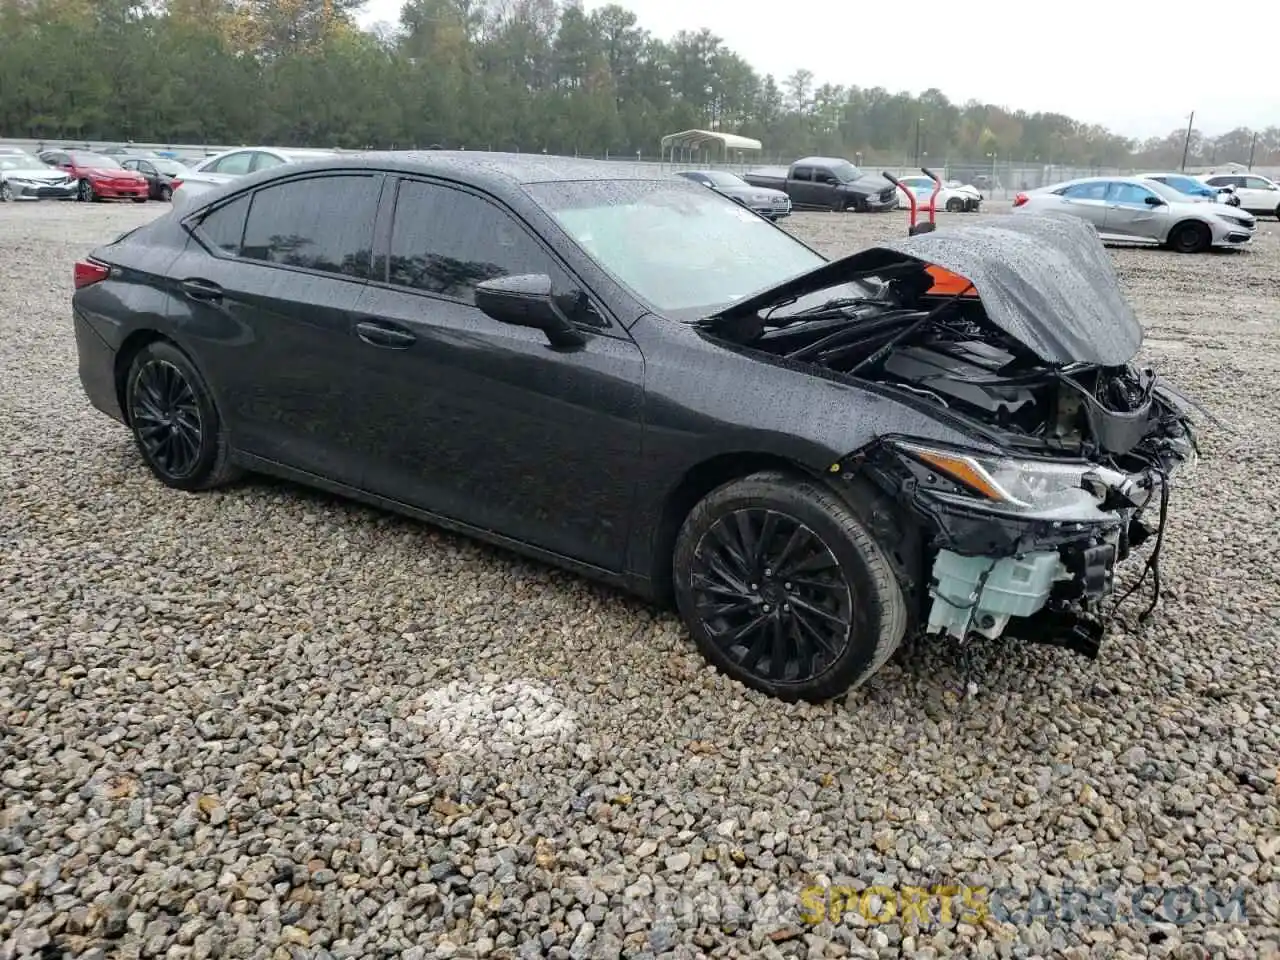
(1191, 237)
(174, 420)
(166, 193)
(826, 611)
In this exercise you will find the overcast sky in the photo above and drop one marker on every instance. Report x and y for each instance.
(1138, 73)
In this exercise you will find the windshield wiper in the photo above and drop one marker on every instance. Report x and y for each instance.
(832, 308)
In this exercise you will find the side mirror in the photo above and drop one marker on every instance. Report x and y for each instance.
(1154, 202)
(528, 301)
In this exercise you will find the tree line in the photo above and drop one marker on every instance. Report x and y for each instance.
(529, 75)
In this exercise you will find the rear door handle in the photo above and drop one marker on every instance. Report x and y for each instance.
(379, 334)
(205, 290)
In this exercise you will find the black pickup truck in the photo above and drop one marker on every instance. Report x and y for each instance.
(827, 183)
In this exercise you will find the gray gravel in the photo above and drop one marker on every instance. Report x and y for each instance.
(266, 723)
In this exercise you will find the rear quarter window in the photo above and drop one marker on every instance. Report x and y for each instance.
(222, 230)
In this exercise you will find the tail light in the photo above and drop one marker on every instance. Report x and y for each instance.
(1020, 199)
(89, 272)
(175, 184)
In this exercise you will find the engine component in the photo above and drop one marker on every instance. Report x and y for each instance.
(948, 373)
(980, 594)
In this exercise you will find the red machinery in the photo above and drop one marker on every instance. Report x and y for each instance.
(932, 224)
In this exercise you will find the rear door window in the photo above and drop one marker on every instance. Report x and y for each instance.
(318, 223)
(1087, 191)
(223, 228)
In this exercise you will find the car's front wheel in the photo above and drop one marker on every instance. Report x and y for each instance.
(86, 194)
(955, 205)
(1192, 237)
(784, 590)
(6, 191)
(174, 420)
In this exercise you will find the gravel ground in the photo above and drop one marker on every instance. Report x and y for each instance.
(267, 723)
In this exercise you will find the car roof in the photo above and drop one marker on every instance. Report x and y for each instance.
(494, 168)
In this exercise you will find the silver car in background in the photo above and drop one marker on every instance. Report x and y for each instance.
(232, 164)
(1134, 210)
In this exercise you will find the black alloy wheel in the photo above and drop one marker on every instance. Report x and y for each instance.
(174, 421)
(784, 590)
(166, 193)
(6, 191)
(1192, 237)
(86, 194)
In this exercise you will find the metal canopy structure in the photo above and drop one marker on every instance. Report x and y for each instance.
(690, 141)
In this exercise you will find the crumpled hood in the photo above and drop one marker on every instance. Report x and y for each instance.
(1046, 281)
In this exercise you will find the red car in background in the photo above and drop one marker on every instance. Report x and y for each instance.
(101, 178)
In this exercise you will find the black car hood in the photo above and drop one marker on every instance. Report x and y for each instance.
(868, 184)
(1045, 281)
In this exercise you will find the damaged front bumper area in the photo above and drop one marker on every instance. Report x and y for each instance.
(1025, 546)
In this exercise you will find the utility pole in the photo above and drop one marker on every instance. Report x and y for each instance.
(1252, 147)
(918, 119)
(1186, 144)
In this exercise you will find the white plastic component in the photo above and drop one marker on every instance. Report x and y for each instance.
(980, 594)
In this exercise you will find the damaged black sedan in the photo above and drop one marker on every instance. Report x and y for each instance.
(636, 379)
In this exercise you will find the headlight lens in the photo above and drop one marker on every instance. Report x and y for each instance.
(1030, 488)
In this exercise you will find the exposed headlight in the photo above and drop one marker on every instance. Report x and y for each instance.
(1237, 221)
(1039, 489)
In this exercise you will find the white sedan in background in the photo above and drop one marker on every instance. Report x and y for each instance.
(954, 196)
(1133, 210)
(232, 164)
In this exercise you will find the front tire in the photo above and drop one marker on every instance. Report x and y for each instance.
(784, 590)
(174, 420)
(955, 205)
(86, 194)
(1190, 237)
(6, 192)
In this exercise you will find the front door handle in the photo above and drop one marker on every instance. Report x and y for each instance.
(205, 290)
(379, 334)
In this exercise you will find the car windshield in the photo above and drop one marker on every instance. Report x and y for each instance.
(687, 252)
(722, 179)
(94, 160)
(20, 161)
(845, 171)
(1186, 185)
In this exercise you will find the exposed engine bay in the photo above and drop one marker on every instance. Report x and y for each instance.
(1030, 533)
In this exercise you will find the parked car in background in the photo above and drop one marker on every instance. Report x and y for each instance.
(24, 177)
(1134, 210)
(954, 197)
(101, 178)
(773, 204)
(811, 457)
(1259, 195)
(1191, 187)
(827, 183)
(163, 176)
(230, 165)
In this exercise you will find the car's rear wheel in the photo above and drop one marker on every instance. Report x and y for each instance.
(1190, 237)
(174, 420)
(86, 193)
(784, 590)
(166, 193)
